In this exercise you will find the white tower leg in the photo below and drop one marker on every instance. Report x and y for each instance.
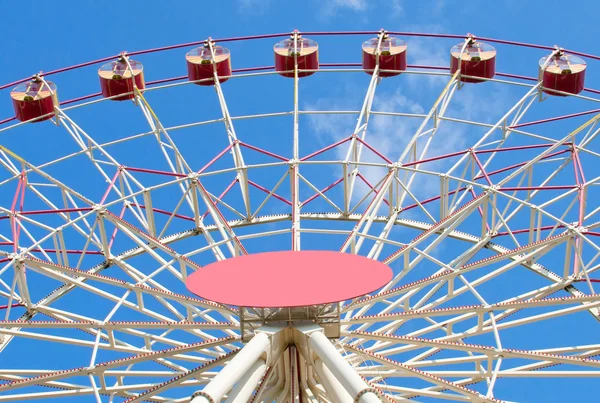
(233, 371)
(334, 388)
(358, 389)
(242, 391)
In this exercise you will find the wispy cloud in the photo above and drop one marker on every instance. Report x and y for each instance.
(330, 8)
(395, 8)
(391, 134)
(412, 94)
(427, 52)
(387, 134)
(438, 6)
(353, 5)
(253, 6)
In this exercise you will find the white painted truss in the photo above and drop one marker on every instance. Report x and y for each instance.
(495, 271)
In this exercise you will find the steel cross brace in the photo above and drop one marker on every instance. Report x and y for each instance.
(355, 147)
(79, 135)
(232, 241)
(437, 111)
(441, 103)
(238, 159)
(181, 166)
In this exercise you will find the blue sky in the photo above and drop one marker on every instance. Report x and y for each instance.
(80, 31)
(72, 32)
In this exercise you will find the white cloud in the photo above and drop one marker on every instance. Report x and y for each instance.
(438, 6)
(253, 6)
(410, 94)
(331, 7)
(396, 7)
(390, 134)
(428, 52)
(387, 134)
(354, 5)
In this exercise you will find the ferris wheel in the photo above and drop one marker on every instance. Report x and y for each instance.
(147, 254)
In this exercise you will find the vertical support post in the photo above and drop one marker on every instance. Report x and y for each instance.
(294, 167)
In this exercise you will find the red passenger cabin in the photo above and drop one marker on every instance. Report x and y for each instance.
(562, 72)
(34, 99)
(296, 49)
(391, 55)
(477, 61)
(202, 64)
(119, 78)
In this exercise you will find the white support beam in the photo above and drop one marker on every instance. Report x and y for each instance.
(355, 148)
(238, 158)
(234, 371)
(244, 388)
(335, 390)
(354, 385)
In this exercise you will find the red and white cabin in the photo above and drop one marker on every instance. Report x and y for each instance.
(34, 99)
(564, 73)
(305, 52)
(202, 66)
(392, 56)
(478, 60)
(117, 78)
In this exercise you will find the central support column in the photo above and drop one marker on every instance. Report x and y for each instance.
(240, 377)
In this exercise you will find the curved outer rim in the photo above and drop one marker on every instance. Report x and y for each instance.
(278, 35)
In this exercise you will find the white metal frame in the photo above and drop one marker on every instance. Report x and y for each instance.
(296, 362)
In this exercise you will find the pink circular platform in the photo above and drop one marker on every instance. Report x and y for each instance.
(288, 279)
